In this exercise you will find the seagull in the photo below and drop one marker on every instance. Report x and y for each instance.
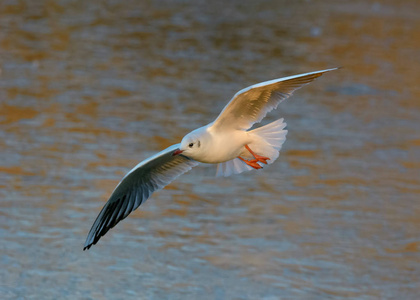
(227, 142)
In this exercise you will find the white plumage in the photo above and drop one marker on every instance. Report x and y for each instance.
(227, 142)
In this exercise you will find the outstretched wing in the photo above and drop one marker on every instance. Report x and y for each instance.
(136, 187)
(252, 104)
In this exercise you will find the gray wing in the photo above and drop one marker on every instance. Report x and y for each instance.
(252, 104)
(136, 187)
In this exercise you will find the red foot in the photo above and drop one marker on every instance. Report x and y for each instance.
(257, 157)
(253, 163)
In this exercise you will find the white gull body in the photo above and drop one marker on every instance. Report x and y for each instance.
(227, 142)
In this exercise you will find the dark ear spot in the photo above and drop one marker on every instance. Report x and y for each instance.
(198, 144)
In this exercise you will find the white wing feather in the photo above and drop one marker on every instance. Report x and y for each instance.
(251, 105)
(136, 187)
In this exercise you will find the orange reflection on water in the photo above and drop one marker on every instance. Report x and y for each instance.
(12, 114)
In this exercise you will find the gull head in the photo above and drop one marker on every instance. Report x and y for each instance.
(192, 144)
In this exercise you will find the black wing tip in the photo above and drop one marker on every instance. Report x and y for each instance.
(94, 235)
(95, 239)
(88, 245)
(98, 235)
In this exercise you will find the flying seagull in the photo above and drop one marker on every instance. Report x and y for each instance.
(227, 142)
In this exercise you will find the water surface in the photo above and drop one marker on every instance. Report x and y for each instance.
(89, 89)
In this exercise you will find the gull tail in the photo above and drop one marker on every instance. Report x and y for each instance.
(268, 141)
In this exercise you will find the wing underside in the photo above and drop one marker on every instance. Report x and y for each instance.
(251, 105)
(136, 187)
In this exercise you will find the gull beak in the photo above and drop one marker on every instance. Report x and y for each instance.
(177, 151)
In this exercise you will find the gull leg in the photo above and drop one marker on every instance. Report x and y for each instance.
(253, 163)
(257, 157)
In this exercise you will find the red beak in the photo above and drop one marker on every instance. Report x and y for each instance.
(177, 151)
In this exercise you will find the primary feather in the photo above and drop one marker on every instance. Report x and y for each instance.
(136, 187)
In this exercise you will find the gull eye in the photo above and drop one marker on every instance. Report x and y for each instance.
(191, 145)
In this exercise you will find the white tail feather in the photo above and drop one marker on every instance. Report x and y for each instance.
(234, 166)
(268, 142)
